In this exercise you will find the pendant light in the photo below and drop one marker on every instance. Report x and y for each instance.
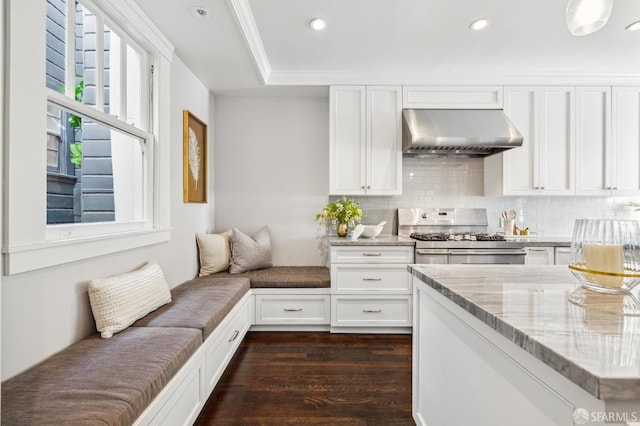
(587, 16)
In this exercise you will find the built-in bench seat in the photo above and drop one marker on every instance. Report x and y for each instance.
(99, 381)
(201, 303)
(285, 277)
(162, 368)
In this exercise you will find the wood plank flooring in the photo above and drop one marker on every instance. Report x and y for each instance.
(296, 378)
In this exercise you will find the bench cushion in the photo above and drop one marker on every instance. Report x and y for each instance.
(201, 303)
(97, 381)
(286, 277)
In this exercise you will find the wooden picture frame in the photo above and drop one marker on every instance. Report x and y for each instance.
(195, 156)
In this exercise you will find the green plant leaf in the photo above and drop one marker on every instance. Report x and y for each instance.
(75, 153)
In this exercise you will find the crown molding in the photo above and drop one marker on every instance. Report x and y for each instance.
(244, 17)
(316, 78)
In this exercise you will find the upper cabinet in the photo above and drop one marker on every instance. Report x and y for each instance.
(593, 141)
(625, 141)
(452, 97)
(545, 163)
(365, 140)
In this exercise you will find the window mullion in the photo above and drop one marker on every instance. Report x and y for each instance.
(70, 49)
(123, 80)
(100, 63)
(99, 116)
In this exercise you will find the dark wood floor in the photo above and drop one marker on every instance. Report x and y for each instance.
(315, 379)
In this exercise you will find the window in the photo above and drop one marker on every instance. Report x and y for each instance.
(95, 156)
(85, 139)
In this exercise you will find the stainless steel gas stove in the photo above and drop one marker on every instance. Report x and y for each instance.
(456, 236)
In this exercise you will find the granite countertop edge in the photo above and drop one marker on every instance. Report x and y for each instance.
(602, 388)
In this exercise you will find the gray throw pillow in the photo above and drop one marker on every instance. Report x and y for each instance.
(250, 252)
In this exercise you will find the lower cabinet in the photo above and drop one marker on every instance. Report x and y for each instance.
(367, 311)
(562, 255)
(371, 289)
(539, 256)
(292, 309)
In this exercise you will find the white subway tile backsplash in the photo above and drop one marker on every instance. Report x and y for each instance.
(460, 183)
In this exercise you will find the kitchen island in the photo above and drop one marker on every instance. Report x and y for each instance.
(501, 345)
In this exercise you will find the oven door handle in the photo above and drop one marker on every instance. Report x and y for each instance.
(486, 252)
(431, 251)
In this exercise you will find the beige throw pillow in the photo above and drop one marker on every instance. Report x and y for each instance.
(215, 252)
(118, 301)
(250, 252)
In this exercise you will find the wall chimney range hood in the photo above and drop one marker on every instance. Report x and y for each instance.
(457, 132)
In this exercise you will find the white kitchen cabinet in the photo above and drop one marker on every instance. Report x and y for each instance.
(452, 97)
(545, 163)
(292, 309)
(562, 255)
(539, 256)
(593, 141)
(365, 140)
(625, 167)
(371, 288)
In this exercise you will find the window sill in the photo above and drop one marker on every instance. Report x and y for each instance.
(38, 256)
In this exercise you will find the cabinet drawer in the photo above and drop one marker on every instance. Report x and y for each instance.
(362, 311)
(292, 309)
(372, 254)
(224, 341)
(389, 278)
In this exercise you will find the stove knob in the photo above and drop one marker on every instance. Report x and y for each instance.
(424, 215)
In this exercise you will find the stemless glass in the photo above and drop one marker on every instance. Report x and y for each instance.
(605, 257)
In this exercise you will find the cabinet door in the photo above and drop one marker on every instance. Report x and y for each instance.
(384, 140)
(626, 141)
(347, 140)
(520, 165)
(556, 140)
(593, 140)
(539, 256)
(562, 256)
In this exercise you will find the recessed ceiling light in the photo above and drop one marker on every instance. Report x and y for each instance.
(633, 27)
(200, 12)
(479, 24)
(318, 24)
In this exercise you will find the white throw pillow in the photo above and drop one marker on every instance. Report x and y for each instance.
(215, 252)
(118, 301)
(250, 252)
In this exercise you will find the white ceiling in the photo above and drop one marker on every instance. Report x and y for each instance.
(245, 43)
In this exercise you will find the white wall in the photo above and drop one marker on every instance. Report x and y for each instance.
(46, 310)
(272, 168)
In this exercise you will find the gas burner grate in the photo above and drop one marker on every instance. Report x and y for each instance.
(487, 237)
(430, 236)
(442, 236)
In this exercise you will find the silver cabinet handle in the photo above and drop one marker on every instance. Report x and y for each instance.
(536, 249)
(372, 279)
(372, 254)
(292, 310)
(235, 336)
(615, 188)
(564, 250)
(372, 311)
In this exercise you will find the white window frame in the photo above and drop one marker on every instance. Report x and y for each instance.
(28, 242)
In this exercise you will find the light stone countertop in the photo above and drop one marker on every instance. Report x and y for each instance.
(395, 240)
(380, 240)
(596, 348)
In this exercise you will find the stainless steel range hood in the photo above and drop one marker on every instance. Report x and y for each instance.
(457, 132)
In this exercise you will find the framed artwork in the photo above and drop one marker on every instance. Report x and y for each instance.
(194, 152)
